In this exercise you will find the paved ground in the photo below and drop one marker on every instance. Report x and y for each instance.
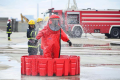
(100, 57)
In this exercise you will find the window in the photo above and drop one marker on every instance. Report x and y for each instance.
(56, 13)
(73, 18)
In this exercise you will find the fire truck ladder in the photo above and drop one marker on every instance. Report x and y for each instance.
(73, 7)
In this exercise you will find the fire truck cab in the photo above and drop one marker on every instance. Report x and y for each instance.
(76, 22)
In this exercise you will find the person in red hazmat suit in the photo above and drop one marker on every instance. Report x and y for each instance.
(51, 38)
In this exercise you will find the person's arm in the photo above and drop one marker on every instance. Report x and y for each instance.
(39, 35)
(65, 38)
(28, 33)
(8, 26)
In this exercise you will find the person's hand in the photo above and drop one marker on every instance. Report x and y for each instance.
(36, 41)
(70, 43)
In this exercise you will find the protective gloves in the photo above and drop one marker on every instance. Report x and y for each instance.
(36, 41)
(70, 43)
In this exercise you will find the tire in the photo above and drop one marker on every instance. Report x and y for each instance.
(108, 35)
(77, 32)
(115, 33)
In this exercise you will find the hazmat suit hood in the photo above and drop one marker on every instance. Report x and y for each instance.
(54, 23)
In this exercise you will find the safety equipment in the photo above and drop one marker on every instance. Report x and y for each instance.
(32, 47)
(32, 50)
(31, 22)
(54, 23)
(9, 20)
(36, 41)
(50, 42)
(31, 34)
(46, 18)
(39, 19)
(9, 28)
(54, 16)
(9, 40)
(9, 31)
(70, 43)
(39, 27)
(9, 36)
(31, 43)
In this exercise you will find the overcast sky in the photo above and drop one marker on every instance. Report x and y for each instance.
(13, 8)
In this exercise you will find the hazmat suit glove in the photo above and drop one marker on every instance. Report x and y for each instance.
(70, 43)
(36, 41)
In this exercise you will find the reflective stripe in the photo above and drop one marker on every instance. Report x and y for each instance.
(7, 26)
(9, 32)
(32, 32)
(35, 33)
(30, 38)
(31, 35)
(9, 29)
(32, 46)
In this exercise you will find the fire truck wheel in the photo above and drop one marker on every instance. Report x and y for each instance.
(77, 31)
(115, 33)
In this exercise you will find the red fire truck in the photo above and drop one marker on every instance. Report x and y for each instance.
(75, 22)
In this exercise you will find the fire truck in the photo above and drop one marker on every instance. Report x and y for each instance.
(75, 22)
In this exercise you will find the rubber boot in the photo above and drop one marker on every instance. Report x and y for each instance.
(9, 39)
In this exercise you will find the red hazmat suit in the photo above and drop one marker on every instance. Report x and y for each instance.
(51, 40)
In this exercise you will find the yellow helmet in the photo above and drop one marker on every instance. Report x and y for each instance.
(46, 18)
(31, 22)
(39, 19)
